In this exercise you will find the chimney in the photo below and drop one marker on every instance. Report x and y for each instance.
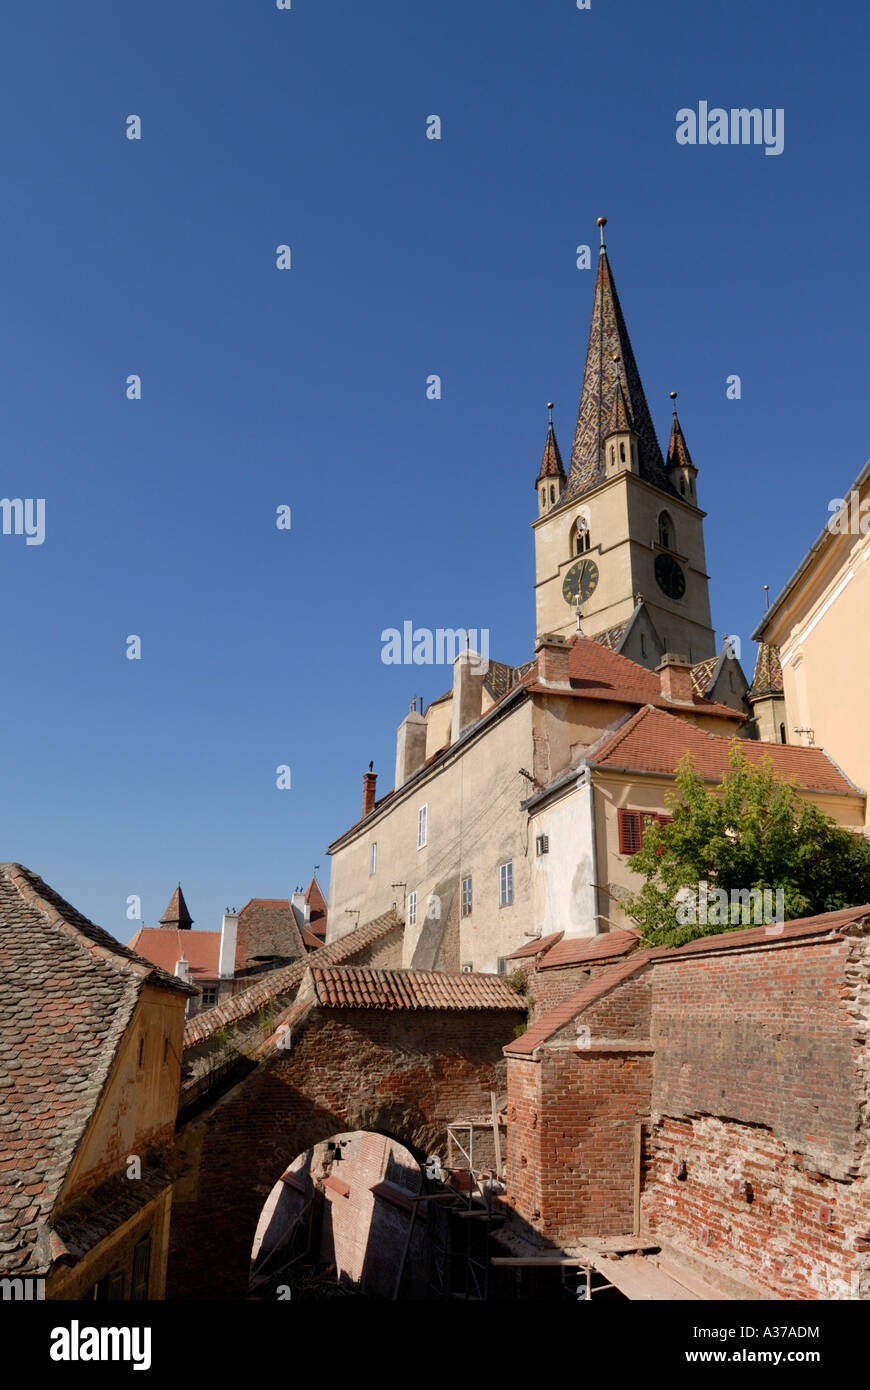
(675, 673)
(469, 673)
(410, 746)
(552, 651)
(298, 900)
(369, 780)
(182, 969)
(229, 933)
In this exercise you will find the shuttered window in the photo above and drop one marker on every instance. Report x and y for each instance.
(631, 827)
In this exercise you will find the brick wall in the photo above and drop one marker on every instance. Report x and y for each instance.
(405, 1074)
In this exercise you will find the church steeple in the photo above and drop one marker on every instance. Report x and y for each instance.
(681, 470)
(620, 436)
(176, 914)
(551, 479)
(608, 338)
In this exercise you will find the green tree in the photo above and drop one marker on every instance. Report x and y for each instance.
(753, 831)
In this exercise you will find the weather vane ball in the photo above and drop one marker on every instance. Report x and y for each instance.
(602, 222)
(550, 405)
(673, 395)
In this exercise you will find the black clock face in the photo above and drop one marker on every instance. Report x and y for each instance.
(581, 580)
(669, 576)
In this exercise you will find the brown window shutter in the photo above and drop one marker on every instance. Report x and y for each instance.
(630, 832)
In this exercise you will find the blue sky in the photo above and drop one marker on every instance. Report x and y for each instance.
(308, 387)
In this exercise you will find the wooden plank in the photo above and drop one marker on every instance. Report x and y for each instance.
(638, 1278)
(614, 1245)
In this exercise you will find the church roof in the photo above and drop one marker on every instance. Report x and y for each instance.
(608, 339)
(551, 463)
(176, 914)
(620, 415)
(767, 679)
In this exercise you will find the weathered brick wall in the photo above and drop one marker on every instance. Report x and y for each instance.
(791, 1232)
(397, 1073)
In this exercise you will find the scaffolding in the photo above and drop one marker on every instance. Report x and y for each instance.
(462, 1216)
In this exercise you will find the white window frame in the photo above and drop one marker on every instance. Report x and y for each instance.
(412, 909)
(506, 884)
(423, 826)
(373, 862)
(462, 896)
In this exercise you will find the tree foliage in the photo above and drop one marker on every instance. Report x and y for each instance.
(753, 831)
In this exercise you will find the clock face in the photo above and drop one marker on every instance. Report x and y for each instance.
(669, 576)
(581, 580)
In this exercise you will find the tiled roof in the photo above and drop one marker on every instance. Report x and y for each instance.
(286, 980)
(267, 929)
(678, 449)
(611, 637)
(802, 928)
(767, 679)
(67, 993)
(596, 673)
(164, 945)
(350, 988)
(702, 674)
(653, 741)
(608, 338)
(317, 910)
(176, 914)
(551, 463)
(619, 420)
(580, 950)
(534, 948)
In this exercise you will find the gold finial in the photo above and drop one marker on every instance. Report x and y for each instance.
(602, 223)
(550, 409)
(766, 597)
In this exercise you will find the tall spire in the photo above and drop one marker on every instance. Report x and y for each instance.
(551, 463)
(678, 449)
(176, 914)
(608, 338)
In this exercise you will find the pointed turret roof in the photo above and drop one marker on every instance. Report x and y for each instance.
(767, 679)
(551, 463)
(608, 339)
(176, 914)
(620, 415)
(678, 449)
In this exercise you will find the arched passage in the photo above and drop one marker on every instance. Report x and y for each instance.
(402, 1072)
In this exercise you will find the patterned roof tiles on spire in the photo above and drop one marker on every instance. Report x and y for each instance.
(176, 914)
(551, 462)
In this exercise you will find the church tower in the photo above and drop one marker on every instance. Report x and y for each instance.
(621, 537)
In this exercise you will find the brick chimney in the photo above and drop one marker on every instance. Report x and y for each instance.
(552, 652)
(675, 674)
(369, 780)
(410, 746)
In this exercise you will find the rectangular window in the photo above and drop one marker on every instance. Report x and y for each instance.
(141, 1267)
(466, 897)
(209, 996)
(111, 1287)
(412, 909)
(502, 965)
(632, 824)
(505, 885)
(422, 826)
(373, 866)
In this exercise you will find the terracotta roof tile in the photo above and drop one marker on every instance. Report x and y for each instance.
(353, 988)
(67, 993)
(578, 950)
(164, 945)
(652, 741)
(535, 948)
(286, 980)
(268, 930)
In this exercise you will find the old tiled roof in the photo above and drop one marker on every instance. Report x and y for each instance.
(267, 931)
(67, 993)
(619, 420)
(803, 928)
(597, 673)
(608, 336)
(611, 637)
(534, 948)
(767, 679)
(702, 674)
(176, 914)
(582, 950)
(350, 988)
(286, 981)
(678, 449)
(317, 910)
(164, 945)
(99, 1212)
(652, 741)
(551, 463)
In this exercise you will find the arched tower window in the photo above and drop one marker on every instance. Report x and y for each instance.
(582, 536)
(552, 494)
(682, 487)
(621, 452)
(666, 531)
